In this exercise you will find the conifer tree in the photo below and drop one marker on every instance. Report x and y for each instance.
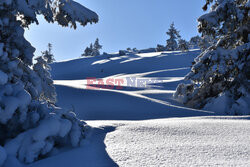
(48, 54)
(220, 76)
(48, 90)
(87, 51)
(96, 48)
(183, 45)
(174, 35)
(93, 50)
(29, 128)
(160, 48)
(194, 42)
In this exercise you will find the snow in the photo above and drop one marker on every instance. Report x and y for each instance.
(1, 44)
(79, 13)
(74, 11)
(133, 102)
(3, 78)
(198, 141)
(139, 126)
(220, 104)
(23, 7)
(12, 103)
(3, 155)
(82, 68)
(31, 127)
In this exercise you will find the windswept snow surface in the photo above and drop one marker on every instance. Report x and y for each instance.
(141, 125)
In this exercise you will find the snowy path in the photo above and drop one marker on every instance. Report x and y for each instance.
(144, 126)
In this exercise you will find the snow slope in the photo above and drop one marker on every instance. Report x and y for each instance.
(199, 141)
(128, 64)
(131, 102)
(179, 142)
(143, 126)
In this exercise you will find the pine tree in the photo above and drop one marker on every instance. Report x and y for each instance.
(220, 75)
(122, 52)
(93, 50)
(129, 49)
(160, 48)
(88, 51)
(194, 42)
(183, 45)
(135, 50)
(48, 90)
(172, 41)
(96, 48)
(29, 128)
(48, 54)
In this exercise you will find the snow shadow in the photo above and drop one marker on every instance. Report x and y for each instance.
(92, 152)
(118, 105)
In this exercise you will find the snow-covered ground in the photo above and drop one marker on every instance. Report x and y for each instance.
(179, 142)
(132, 102)
(141, 125)
(199, 141)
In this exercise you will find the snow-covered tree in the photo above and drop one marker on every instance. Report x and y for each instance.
(160, 48)
(206, 42)
(48, 90)
(122, 52)
(220, 76)
(129, 49)
(135, 50)
(88, 51)
(93, 50)
(174, 35)
(194, 42)
(183, 45)
(203, 42)
(29, 128)
(97, 47)
(48, 55)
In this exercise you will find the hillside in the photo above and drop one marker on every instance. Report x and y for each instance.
(140, 124)
(137, 101)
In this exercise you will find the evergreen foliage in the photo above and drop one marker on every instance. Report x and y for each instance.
(194, 42)
(220, 75)
(47, 54)
(183, 45)
(174, 35)
(30, 128)
(93, 50)
(48, 91)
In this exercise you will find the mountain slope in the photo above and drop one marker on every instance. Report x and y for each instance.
(134, 125)
(137, 101)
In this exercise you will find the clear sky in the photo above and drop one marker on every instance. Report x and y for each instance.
(123, 23)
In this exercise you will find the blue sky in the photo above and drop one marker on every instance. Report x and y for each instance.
(123, 23)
